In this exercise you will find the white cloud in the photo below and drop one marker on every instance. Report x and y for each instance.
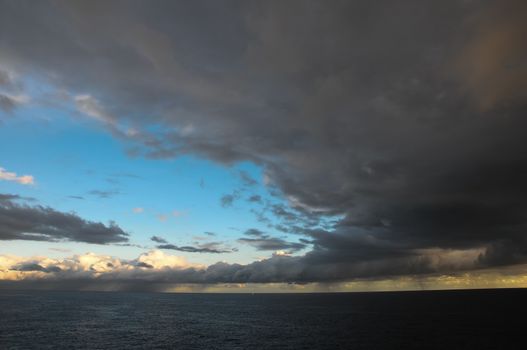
(11, 176)
(89, 265)
(160, 260)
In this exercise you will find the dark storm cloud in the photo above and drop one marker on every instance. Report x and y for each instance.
(158, 239)
(262, 241)
(405, 118)
(272, 243)
(7, 104)
(9, 89)
(5, 79)
(39, 223)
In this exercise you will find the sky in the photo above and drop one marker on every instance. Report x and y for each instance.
(253, 146)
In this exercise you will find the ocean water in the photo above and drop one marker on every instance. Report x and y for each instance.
(485, 319)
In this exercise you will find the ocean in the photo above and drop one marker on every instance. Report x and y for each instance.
(472, 319)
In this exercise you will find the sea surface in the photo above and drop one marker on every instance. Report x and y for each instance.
(484, 319)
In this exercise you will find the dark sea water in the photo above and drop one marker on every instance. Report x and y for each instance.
(486, 319)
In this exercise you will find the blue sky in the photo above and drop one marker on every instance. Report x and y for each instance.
(79, 166)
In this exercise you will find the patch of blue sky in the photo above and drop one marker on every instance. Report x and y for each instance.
(72, 158)
(79, 166)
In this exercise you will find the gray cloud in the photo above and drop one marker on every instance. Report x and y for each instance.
(7, 104)
(36, 267)
(8, 85)
(247, 180)
(104, 194)
(255, 198)
(76, 197)
(227, 200)
(39, 223)
(6, 197)
(262, 241)
(363, 110)
(158, 239)
(270, 243)
(143, 264)
(210, 247)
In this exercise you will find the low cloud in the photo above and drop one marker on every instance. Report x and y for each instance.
(94, 271)
(247, 180)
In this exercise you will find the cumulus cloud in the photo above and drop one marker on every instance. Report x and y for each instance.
(91, 266)
(39, 223)
(408, 128)
(11, 176)
(155, 268)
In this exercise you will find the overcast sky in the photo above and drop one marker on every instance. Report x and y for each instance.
(298, 144)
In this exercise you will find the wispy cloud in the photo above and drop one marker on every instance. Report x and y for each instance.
(76, 197)
(178, 213)
(104, 194)
(247, 180)
(162, 217)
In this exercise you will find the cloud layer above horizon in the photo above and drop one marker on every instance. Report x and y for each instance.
(405, 121)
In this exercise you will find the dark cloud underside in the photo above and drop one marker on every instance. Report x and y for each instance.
(38, 223)
(407, 119)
